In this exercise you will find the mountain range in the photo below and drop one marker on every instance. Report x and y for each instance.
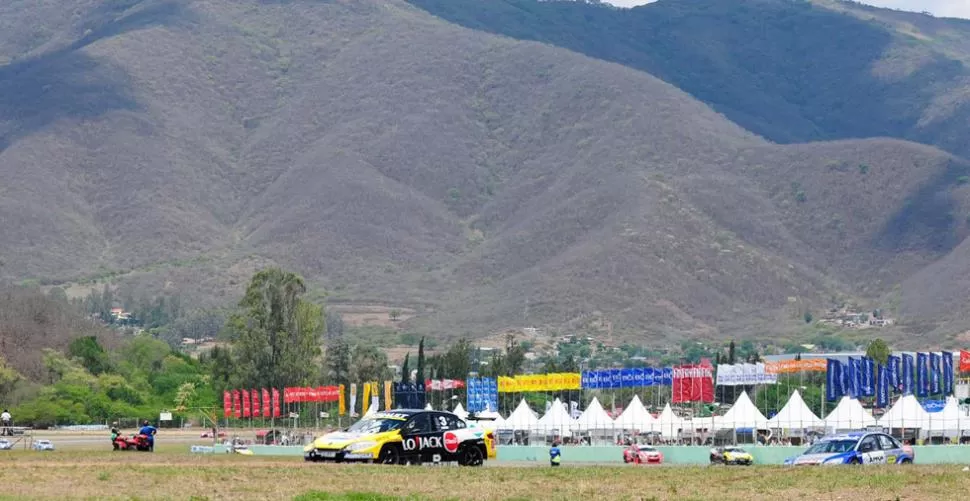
(687, 169)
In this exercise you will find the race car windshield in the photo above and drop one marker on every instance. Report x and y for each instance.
(831, 446)
(375, 425)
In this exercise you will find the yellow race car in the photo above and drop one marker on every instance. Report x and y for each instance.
(405, 437)
(731, 455)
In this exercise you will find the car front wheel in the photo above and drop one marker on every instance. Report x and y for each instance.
(389, 455)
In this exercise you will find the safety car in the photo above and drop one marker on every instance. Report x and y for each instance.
(405, 436)
(855, 448)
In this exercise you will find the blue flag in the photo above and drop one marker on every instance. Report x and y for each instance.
(833, 380)
(947, 373)
(922, 375)
(936, 386)
(855, 378)
(909, 374)
(868, 366)
(895, 378)
(882, 384)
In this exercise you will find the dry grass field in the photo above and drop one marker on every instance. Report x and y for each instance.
(171, 473)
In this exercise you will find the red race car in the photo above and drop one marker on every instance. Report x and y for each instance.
(642, 454)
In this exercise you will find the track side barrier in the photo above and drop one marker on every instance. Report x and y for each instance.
(684, 455)
(694, 455)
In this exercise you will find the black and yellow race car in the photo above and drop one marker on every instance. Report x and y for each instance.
(405, 437)
(731, 455)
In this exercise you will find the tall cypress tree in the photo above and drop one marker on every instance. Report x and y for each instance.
(420, 362)
(405, 370)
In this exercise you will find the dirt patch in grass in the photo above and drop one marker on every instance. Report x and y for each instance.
(76, 474)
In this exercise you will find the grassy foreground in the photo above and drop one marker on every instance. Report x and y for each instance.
(177, 475)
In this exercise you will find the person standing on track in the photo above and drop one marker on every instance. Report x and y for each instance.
(149, 431)
(555, 455)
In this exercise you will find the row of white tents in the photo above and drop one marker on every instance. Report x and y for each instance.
(849, 414)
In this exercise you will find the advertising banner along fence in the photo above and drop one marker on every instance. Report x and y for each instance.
(626, 378)
(482, 394)
(744, 374)
(693, 383)
(793, 366)
(443, 384)
(923, 375)
(295, 395)
(540, 382)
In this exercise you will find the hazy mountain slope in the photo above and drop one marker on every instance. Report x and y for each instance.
(393, 157)
(787, 70)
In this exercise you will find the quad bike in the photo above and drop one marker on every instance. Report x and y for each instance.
(134, 443)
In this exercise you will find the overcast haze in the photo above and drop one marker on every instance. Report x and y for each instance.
(940, 8)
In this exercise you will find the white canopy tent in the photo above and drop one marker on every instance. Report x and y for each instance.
(635, 417)
(522, 418)
(556, 420)
(849, 415)
(668, 424)
(907, 412)
(593, 418)
(460, 411)
(795, 415)
(743, 414)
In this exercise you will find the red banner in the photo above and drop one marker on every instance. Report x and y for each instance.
(443, 384)
(255, 394)
(276, 403)
(964, 361)
(245, 404)
(236, 406)
(693, 383)
(320, 394)
(226, 404)
(266, 403)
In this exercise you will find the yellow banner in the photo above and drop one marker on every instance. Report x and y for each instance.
(343, 403)
(540, 382)
(365, 400)
(387, 395)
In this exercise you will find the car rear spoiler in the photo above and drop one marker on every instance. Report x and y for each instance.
(475, 417)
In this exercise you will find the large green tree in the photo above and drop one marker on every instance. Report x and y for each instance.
(879, 351)
(276, 334)
(337, 364)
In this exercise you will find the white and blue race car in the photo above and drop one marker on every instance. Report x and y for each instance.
(855, 448)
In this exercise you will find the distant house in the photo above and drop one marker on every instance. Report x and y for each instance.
(119, 314)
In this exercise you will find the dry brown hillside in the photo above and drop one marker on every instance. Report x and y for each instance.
(394, 158)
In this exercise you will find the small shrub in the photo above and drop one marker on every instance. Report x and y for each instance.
(863, 169)
(963, 180)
